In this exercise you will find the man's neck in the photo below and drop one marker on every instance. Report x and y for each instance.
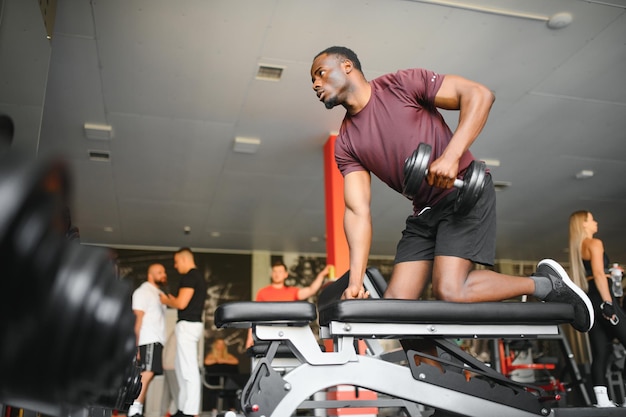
(360, 98)
(186, 271)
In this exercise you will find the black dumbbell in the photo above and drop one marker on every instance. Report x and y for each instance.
(470, 187)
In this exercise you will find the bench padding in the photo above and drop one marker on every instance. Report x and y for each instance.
(413, 312)
(243, 313)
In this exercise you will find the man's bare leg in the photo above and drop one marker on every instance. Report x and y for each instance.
(408, 280)
(136, 409)
(455, 279)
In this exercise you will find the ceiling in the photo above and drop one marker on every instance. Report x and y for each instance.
(176, 82)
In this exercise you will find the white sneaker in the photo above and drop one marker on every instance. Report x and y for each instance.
(602, 398)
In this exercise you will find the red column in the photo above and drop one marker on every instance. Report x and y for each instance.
(337, 252)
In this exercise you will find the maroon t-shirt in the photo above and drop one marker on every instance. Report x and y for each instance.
(399, 116)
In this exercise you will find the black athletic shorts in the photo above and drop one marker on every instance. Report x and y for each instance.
(438, 231)
(151, 358)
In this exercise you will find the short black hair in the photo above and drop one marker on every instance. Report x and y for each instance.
(344, 52)
(185, 250)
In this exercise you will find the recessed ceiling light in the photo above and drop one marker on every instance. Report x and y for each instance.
(108, 229)
(246, 145)
(98, 131)
(584, 174)
(215, 234)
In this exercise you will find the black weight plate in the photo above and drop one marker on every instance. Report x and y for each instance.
(415, 168)
(473, 186)
(463, 202)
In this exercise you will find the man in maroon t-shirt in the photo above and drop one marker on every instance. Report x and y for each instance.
(386, 119)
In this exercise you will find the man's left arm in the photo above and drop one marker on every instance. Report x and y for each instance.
(181, 301)
(474, 101)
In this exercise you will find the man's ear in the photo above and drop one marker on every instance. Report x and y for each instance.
(347, 66)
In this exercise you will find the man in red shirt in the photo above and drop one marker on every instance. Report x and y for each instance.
(278, 291)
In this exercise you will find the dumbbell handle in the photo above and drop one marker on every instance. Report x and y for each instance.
(457, 182)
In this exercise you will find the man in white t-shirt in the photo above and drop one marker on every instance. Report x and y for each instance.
(149, 331)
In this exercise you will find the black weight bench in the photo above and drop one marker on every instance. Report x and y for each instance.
(464, 385)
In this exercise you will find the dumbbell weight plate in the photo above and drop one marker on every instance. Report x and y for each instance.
(22, 180)
(415, 168)
(473, 185)
(67, 309)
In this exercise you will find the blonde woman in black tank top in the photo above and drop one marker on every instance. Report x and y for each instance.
(588, 264)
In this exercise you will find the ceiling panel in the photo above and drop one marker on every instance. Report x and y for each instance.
(24, 54)
(587, 73)
(169, 59)
(157, 157)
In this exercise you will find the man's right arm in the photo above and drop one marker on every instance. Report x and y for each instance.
(357, 224)
(474, 101)
(181, 301)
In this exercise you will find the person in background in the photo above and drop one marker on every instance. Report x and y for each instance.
(219, 354)
(189, 302)
(218, 364)
(149, 331)
(278, 291)
(589, 264)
